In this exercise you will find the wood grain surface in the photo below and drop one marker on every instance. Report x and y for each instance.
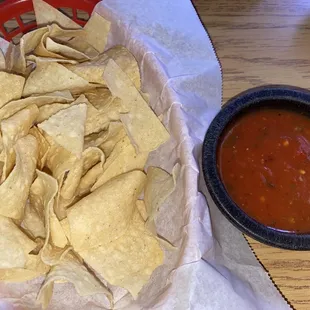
(257, 43)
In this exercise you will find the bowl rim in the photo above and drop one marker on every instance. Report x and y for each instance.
(249, 98)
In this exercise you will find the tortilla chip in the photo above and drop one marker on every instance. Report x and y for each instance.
(43, 146)
(44, 190)
(71, 270)
(15, 189)
(89, 71)
(72, 180)
(142, 209)
(60, 33)
(45, 183)
(11, 87)
(34, 268)
(104, 215)
(91, 156)
(93, 160)
(46, 14)
(160, 184)
(27, 44)
(66, 128)
(143, 127)
(2, 61)
(128, 261)
(66, 227)
(100, 98)
(14, 106)
(97, 29)
(115, 133)
(98, 120)
(80, 44)
(64, 50)
(122, 159)
(14, 244)
(46, 111)
(51, 76)
(30, 40)
(41, 49)
(127, 62)
(33, 222)
(89, 179)
(36, 59)
(60, 162)
(14, 128)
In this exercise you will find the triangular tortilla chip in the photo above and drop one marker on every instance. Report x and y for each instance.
(67, 128)
(11, 87)
(46, 14)
(104, 215)
(143, 127)
(14, 190)
(51, 76)
(129, 261)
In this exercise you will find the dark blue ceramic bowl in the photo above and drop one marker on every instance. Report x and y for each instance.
(289, 97)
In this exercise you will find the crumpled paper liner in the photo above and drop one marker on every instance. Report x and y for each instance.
(212, 266)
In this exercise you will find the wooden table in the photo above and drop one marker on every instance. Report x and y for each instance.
(263, 42)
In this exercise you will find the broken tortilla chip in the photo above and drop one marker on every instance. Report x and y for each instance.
(15, 189)
(104, 215)
(142, 125)
(51, 76)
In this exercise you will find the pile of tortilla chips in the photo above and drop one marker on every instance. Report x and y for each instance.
(76, 132)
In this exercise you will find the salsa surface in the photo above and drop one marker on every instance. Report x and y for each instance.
(264, 162)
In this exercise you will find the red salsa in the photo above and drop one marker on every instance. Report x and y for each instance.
(264, 162)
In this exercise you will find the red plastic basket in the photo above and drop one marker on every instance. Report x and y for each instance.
(16, 9)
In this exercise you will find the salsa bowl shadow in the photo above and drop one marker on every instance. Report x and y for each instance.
(292, 98)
